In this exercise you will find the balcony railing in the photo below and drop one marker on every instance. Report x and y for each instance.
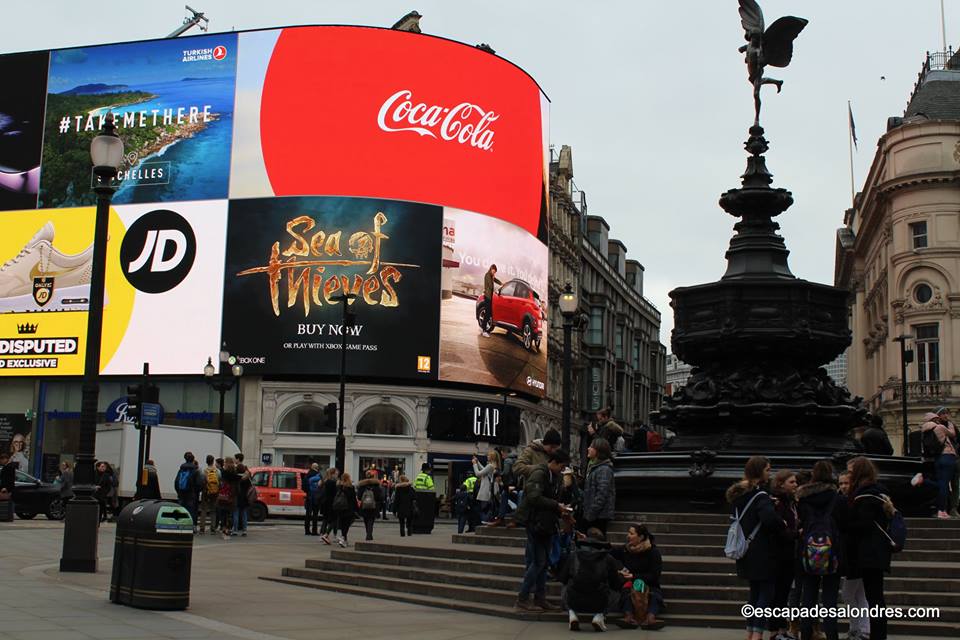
(932, 393)
(936, 61)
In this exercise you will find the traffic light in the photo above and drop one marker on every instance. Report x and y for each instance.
(330, 411)
(135, 401)
(151, 393)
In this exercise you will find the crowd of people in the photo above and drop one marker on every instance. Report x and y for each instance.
(217, 495)
(810, 536)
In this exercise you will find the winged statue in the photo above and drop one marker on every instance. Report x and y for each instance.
(772, 46)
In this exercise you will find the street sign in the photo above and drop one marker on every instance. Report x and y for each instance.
(150, 414)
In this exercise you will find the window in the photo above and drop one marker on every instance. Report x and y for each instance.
(382, 420)
(595, 330)
(918, 230)
(521, 291)
(260, 479)
(303, 460)
(619, 342)
(508, 289)
(928, 352)
(307, 418)
(923, 293)
(284, 480)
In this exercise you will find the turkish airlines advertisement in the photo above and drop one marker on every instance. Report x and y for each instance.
(266, 173)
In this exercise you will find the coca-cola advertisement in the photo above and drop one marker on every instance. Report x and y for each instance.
(390, 114)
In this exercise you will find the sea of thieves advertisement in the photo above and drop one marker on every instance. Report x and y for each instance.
(24, 77)
(173, 104)
(288, 260)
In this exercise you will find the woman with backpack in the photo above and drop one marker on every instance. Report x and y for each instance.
(822, 513)
(755, 517)
(404, 505)
(869, 546)
(940, 442)
(227, 498)
(599, 493)
(344, 507)
(371, 500)
(783, 492)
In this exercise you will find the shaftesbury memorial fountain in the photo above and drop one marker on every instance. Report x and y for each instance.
(757, 339)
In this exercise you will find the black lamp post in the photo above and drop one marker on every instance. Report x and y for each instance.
(83, 517)
(906, 356)
(349, 319)
(222, 381)
(568, 308)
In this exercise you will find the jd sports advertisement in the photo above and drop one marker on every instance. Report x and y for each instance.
(289, 258)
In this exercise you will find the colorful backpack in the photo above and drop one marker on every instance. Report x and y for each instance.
(819, 551)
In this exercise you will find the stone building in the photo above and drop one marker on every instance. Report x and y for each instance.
(677, 373)
(899, 255)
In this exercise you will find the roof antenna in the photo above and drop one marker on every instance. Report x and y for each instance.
(198, 19)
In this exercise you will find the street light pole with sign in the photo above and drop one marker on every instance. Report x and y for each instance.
(349, 319)
(568, 307)
(906, 356)
(221, 381)
(83, 512)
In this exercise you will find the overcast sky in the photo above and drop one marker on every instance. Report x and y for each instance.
(652, 96)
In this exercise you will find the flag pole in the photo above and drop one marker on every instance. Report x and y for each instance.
(853, 195)
(943, 26)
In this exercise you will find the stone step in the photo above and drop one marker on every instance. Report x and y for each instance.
(919, 586)
(624, 519)
(668, 548)
(673, 617)
(511, 569)
(717, 540)
(697, 564)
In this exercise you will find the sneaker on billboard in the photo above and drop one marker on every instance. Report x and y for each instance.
(40, 278)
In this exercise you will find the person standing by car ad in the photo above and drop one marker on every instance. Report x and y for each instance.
(489, 280)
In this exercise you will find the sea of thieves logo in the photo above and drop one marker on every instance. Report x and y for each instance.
(307, 262)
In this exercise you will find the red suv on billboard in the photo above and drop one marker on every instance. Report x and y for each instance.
(516, 308)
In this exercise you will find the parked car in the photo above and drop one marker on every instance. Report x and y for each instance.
(279, 492)
(31, 496)
(517, 309)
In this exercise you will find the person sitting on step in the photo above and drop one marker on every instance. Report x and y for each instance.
(592, 579)
(641, 558)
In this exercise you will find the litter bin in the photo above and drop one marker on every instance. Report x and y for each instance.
(426, 511)
(152, 556)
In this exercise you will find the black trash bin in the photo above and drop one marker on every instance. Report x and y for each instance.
(152, 556)
(426, 511)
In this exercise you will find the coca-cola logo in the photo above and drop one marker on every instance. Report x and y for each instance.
(465, 123)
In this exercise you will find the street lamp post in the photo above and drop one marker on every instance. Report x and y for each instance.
(349, 319)
(222, 382)
(568, 308)
(83, 517)
(906, 356)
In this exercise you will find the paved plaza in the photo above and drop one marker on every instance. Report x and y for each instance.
(228, 600)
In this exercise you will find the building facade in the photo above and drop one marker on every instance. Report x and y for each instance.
(677, 374)
(898, 254)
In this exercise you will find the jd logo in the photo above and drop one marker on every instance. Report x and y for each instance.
(158, 251)
(42, 290)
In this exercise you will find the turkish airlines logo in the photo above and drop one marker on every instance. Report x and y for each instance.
(465, 123)
(219, 52)
(158, 251)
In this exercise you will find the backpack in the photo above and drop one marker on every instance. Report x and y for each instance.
(183, 480)
(932, 447)
(368, 502)
(654, 441)
(737, 544)
(818, 553)
(896, 531)
(620, 445)
(213, 481)
(588, 577)
(226, 494)
(314, 485)
(340, 502)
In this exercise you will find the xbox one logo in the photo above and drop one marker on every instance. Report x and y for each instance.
(158, 251)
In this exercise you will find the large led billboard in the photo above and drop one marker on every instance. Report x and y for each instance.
(266, 173)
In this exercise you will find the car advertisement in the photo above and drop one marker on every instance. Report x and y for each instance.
(24, 90)
(392, 115)
(288, 260)
(172, 101)
(167, 285)
(499, 340)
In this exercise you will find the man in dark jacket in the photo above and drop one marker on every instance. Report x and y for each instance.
(868, 547)
(874, 439)
(185, 482)
(540, 511)
(592, 579)
(8, 479)
(328, 493)
(536, 453)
